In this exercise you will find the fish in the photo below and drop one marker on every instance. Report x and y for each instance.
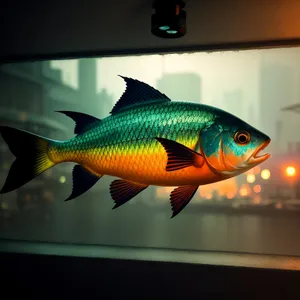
(146, 140)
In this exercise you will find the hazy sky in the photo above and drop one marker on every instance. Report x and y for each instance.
(219, 71)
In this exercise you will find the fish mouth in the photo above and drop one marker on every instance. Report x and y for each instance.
(256, 158)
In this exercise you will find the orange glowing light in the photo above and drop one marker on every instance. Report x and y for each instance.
(257, 188)
(221, 189)
(256, 199)
(208, 196)
(243, 192)
(163, 192)
(290, 171)
(230, 195)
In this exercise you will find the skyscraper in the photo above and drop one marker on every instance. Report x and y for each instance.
(251, 116)
(87, 74)
(277, 89)
(181, 86)
(233, 102)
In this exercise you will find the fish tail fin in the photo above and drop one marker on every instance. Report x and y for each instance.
(31, 152)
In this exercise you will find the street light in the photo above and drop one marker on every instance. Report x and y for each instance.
(290, 171)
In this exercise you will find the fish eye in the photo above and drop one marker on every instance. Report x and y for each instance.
(242, 137)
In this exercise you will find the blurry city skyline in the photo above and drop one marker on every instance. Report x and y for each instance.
(219, 72)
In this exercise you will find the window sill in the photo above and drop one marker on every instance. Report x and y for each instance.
(260, 261)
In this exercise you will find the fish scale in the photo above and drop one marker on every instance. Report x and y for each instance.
(125, 146)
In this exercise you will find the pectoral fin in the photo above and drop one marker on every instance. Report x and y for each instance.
(180, 156)
(122, 191)
(83, 180)
(180, 198)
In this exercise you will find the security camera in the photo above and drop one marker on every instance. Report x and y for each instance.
(169, 19)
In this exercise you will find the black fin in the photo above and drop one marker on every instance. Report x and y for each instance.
(31, 155)
(83, 121)
(179, 156)
(180, 198)
(122, 191)
(138, 92)
(83, 180)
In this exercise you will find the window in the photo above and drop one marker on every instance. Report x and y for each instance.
(258, 211)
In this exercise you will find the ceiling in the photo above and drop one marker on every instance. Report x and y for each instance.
(40, 29)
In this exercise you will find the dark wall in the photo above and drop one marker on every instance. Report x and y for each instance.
(103, 27)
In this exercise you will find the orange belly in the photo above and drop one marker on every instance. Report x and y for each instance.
(150, 169)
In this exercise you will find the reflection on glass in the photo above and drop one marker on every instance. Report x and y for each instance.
(258, 211)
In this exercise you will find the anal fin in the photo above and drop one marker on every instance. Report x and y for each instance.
(122, 191)
(83, 180)
(180, 198)
(180, 156)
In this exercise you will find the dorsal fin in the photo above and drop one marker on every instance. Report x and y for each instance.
(138, 93)
(83, 121)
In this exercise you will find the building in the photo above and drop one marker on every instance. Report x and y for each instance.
(106, 102)
(278, 88)
(233, 102)
(98, 104)
(24, 102)
(181, 86)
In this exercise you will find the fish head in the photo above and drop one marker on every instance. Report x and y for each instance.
(232, 146)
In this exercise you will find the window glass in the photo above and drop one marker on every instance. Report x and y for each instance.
(257, 211)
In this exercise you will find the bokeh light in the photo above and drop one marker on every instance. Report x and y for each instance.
(257, 188)
(250, 178)
(265, 174)
(290, 171)
(62, 179)
(243, 192)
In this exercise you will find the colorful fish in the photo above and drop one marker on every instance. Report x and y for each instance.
(147, 140)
